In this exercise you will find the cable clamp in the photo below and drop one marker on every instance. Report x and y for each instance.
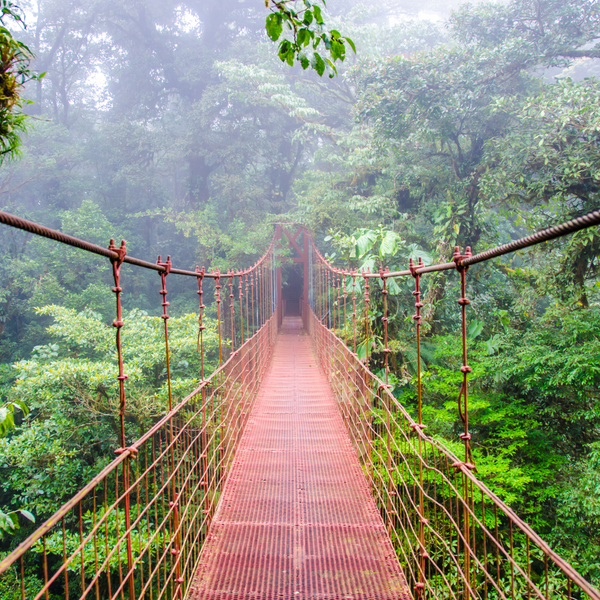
(458, 464)
(132, 451)
(457, 257)
(165, 265)
(121, 252)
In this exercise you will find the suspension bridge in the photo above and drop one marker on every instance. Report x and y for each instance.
(291, 472)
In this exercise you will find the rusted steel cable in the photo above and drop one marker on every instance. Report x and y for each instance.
(63, 238)
(590, 220)
(57, 236)
(465, 369)
(584, 222)
(118, 324)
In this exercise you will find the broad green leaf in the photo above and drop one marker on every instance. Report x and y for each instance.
(303, 37)
(317, 13)
(393, 287)
(474, 329)
(338, 50)
(361, 350)
(274, 26)
(368, 265)
(389, 244)
(318, 64)
(415, 252)
(334, 70)
(365, 242)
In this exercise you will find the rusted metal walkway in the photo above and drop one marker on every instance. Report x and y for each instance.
(296, 519)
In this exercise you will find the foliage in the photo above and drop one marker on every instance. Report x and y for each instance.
(307, 29)
(376, 248)
(7, 415)
(177, 128)
(71, 388)
(143, 534)
(578, 516)
(10, 584)
(9, 522)
(15, 58)
(552, 147)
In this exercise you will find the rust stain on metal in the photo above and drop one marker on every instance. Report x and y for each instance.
(296, 519)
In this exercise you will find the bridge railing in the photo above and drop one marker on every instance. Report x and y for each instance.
(137, 529)
(453, 536)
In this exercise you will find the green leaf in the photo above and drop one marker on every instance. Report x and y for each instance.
(27, 515)
(308, 17)
(7, 419)
(286, 52)
(334, 70)
(317, 13)
(318, 64)
(274, 26)
(389, 244)
(415, 252)
(368, 265)
(338, 50)
(303, 37)
(393, 287)
(474, 329)
(365, 242)
(351, 44)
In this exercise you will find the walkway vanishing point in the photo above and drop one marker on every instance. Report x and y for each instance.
(297, 519)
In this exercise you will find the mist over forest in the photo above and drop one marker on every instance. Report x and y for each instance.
(177, 127)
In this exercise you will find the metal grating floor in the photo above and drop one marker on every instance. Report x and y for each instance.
(296, 519)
